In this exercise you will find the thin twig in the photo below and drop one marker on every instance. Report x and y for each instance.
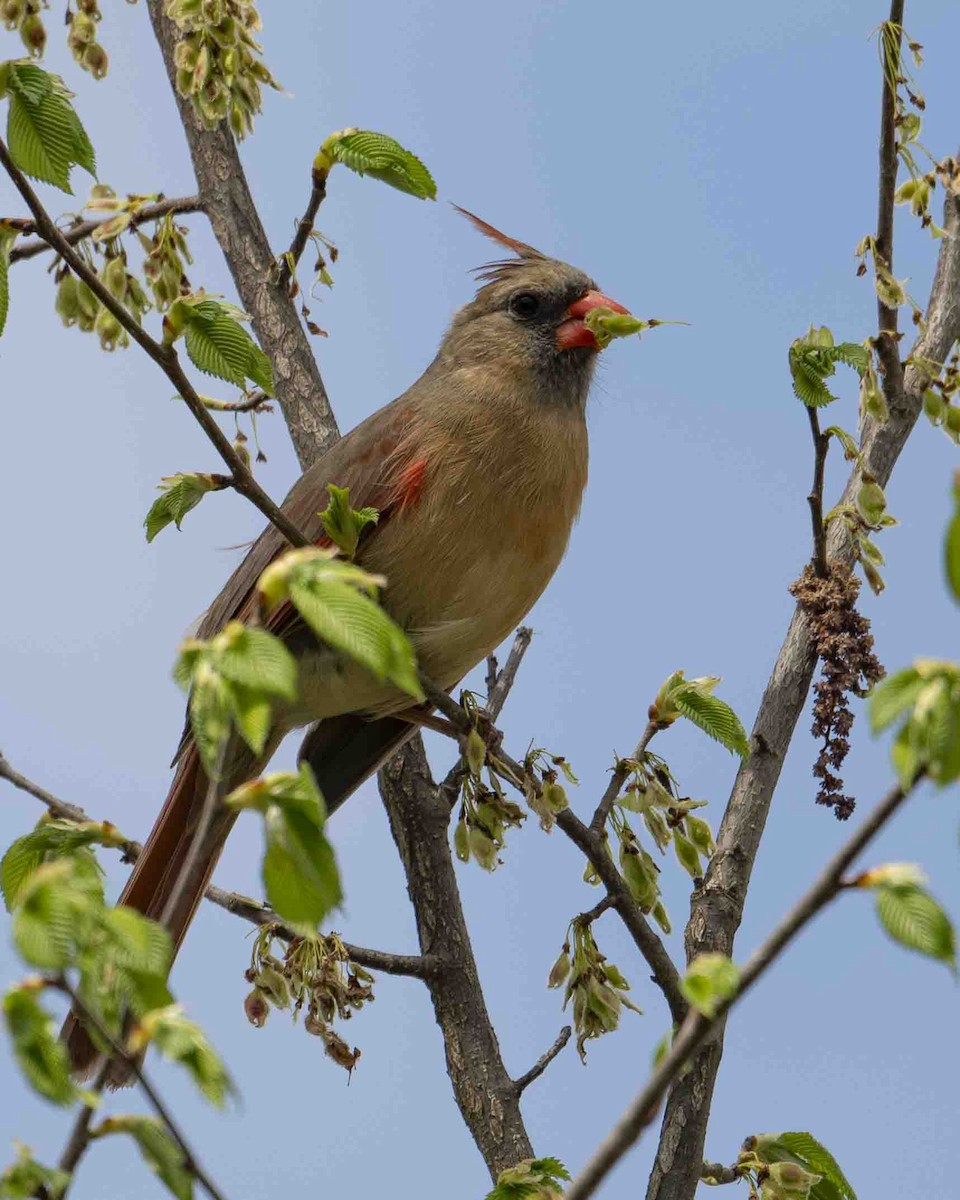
(503, 680)
(591, 843)
(543, 1061)
(118, 1052)
(79, 1138)
(318, 191)
(591, 915)
(696, 1029)
(716, 1173)
(887, 342)
(418, 966)
(164, 356)
(821, 444)
(83, 229)
(619, 777)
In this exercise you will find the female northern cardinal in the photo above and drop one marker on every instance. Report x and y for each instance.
(477, 471)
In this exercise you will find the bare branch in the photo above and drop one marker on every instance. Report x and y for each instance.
(891, 37)
(292, 257)
(697, 1029)
(821, 444)
(485, 1093)
(236, 224)
(717, 907)
(59, 808)
(83, 229)
(418, 966)
(165, 357)
(502, 681)
(79, 1138)
(132, 1063)
(619, 777)
(543, 1061)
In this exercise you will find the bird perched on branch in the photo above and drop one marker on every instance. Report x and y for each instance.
(477, 471)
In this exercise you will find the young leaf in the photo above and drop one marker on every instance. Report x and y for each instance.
(218, 344)
(44, 134)
(913, 918)
(256, 659)
(710, 979)
(951, 549)
(7, 237)
(40, 1055)
(184, 1042)
(893, 696)
(343, 524)
(160, 1152)
(299, 869)
(804, 1149)
(181, 493)
(694, 700)
(26, 1178)
(532, 1179)
(381, 157)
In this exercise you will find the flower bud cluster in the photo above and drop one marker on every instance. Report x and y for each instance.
(219, 63)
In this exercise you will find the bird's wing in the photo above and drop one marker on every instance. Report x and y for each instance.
(376, 461)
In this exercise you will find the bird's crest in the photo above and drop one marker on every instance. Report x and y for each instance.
(496, 270)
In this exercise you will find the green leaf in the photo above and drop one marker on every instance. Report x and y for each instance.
(951, 548)
(44, 133)
(808, 386)
(218, 345)
(256, 659)
(711, 714)
(160, 1152)
(41, 1057)
(29, 81)
(850, 449)
(253, 714)
(912, 917)
(184, 1042)
(710, 980)
(51, 839)
(181, 493)
(383, 158)
(804, 1149)
(351, 622)
(534, 1178)
(137, 942)
(26, 1177)
(7, 237)
(343, 524)
(893, 696)
(209, 708)
(54, 910)
(852, 354)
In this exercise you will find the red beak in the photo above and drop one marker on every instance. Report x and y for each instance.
(572, 331)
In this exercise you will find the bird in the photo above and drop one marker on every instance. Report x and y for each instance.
(477, 471)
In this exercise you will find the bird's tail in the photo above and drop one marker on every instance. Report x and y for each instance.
(156, 872)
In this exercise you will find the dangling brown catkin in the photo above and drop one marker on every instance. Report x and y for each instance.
(848, 667)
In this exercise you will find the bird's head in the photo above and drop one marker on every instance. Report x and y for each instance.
(528, 320)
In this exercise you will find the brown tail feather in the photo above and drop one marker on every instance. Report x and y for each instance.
(154, 874)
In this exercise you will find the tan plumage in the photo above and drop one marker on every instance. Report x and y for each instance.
(478, 471)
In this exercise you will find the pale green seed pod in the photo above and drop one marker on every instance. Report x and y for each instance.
(89, 307)
(12, 12)
(83, 30)
(560, 969)
(687, 855)
(33, 34)
(461, 841)
(109, 330)
(483, 849)
(934, 406)
(95, 60)
(68, 302)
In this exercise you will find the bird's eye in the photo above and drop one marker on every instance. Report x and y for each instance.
(525, 304)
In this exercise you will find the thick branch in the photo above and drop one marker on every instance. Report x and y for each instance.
(236, 224)
(486, 1095)
(165, 357)
(83, 229)
(698, 1029)
(717, 907)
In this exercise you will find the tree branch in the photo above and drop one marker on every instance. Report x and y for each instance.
(415, 965)
(83, 229)
(717, 907)
(236, 224)
(486, 1095)
(292, 257)
(499, 683)
(619, 777)
(241, 478)
(891, 37)
(543, 1061)
(79, 1138)
(132, 1063)
(821, 444)
(697, 1029)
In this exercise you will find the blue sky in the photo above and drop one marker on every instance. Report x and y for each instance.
(713, 164)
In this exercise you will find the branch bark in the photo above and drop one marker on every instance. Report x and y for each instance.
(717, 907)
(236, 224)
(487, 1097)
(698, 1030)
